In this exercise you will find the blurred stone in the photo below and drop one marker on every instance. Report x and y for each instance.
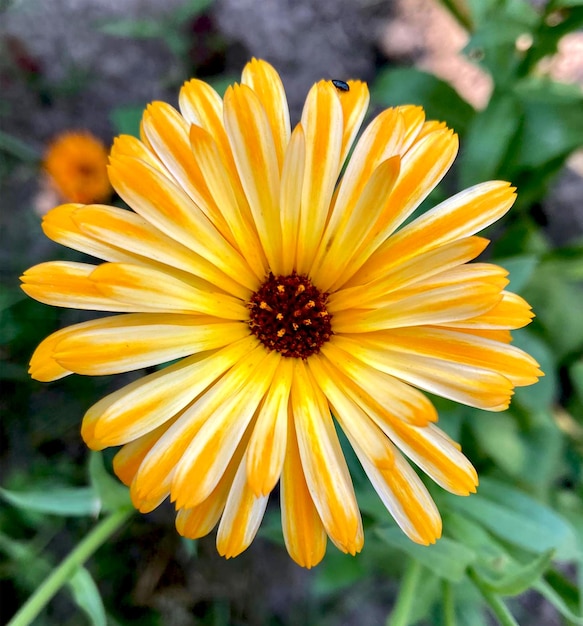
(307, 40)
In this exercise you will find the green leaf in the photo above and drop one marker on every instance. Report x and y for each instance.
(18, 148)
(493, 46)
(490, 135)
(557, 303)
(555, 25)
(447, 558)
(411, 86)
(189, 10)
(546, 391)
(552, 596)
(63, 501)
(521, 268)
(137, 29)
(500, 438)
(87, 597)
(576, 375)
(521, 578)
(9, 297)
(516, 518)
(126, 119)
(112, 494)
(338, 571)
(557, 4)
(552, 124)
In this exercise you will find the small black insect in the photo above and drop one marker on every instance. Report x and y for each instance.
(340, 85)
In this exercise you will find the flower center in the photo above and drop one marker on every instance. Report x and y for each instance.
(288, 314)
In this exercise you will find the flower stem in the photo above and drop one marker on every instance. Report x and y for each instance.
(449, 618)
(494, 601)
(63, 573)
(406, 597)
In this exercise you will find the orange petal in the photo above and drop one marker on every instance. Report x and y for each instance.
(128, 231)
(167, 207)
(242, 516)
(409, 270)
(324, 464)
(422, 167)
(303, 531)
(266, 83)
(69, 284)
(127, 342)
(208, 454)
(292, 177)
(233, 205)
(267, 444)
(59, 225)
(322, 124)
(462, 215)
(255, 155)
(140, 286)
(141, 406)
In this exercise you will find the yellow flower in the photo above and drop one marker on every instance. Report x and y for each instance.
(287, 291)
(76, 164)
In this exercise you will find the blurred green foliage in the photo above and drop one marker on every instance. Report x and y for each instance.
(522, 531)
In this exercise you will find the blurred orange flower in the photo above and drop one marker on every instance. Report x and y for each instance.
(76, 164)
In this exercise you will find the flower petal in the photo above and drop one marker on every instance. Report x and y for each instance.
(126, 145)
(405, 497)
(510, 313)
(303, 531)
(400, 399)
(242, 516)
(354, 422)
(168, 133)
(292, 177)
(436, 454)
(462, 215)
(414, 118)
(126, 230)
(323, 463)
(129, 458)
(144, 404)
(422, 167)
(59, 225)
(255, 155)
(127, 342)
(199, 520)
(225, 194)
(453, 295)
(413, 269)
(353, 227)
(69, 284)
(43, 366)
(474, 386)
(167, 207)
(266, 83)
(139, 286)
(322, 123)
(267, 445)
(211, 449)
(160, 464)
(520, 368)
(354, 104)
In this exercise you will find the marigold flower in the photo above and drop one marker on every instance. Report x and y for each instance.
(76, 165)
(286, 291)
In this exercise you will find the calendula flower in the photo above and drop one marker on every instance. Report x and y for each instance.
(288, 294)
(76, 166)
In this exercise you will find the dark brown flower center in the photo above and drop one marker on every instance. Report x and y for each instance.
(288, 314)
